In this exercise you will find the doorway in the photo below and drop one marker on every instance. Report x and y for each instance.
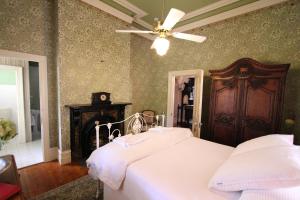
(13, 58)
(19, 115)
(185, 99)
(12, 101)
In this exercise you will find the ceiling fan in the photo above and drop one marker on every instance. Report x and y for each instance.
(161, 44)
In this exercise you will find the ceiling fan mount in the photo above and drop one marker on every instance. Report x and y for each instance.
(160, 31)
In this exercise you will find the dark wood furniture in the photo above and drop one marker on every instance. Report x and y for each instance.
(11, 176)
(246, 101)
(147, 116)
(82, 125)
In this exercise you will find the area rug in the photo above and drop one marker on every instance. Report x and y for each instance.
(83, 188)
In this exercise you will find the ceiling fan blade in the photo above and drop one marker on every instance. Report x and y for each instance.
(191, 37)
(173, 17)
(133, 31)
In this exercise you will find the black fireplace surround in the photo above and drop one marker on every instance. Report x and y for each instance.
(82, 126)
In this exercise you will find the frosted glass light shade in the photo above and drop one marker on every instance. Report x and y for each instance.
(161, 45)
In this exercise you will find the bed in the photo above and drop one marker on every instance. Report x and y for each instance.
(178, 177)
(170, 164)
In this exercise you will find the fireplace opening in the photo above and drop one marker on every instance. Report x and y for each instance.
(89, 133)
(82, 126)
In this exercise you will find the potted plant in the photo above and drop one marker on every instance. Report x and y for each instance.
(7, 131)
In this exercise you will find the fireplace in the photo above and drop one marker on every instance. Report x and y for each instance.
(88, 135)
(82, 126)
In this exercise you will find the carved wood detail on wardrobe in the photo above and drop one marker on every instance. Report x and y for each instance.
(246, 101)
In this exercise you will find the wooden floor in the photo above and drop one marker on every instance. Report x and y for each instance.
(43, 177)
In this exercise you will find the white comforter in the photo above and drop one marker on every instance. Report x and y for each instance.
(181, 172)
(109, 163)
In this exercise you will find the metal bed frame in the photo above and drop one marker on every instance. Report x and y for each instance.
(136, 124)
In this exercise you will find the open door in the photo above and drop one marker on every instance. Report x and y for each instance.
(185, 110)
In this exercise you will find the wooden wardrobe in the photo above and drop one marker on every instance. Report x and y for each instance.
(246, 101)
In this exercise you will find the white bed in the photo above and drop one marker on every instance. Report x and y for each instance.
(184, 175)
(171, 164)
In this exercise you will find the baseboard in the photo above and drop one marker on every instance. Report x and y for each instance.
(64, 157)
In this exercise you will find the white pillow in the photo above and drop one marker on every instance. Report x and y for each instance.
(266, 168)
(278, 194)
(264, 142)
(228, 195)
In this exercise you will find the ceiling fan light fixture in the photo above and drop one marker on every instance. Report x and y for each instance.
(161, 45)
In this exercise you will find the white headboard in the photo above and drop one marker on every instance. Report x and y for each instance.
(136, 123)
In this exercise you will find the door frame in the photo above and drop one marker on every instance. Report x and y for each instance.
(197, 111)
(48, 152)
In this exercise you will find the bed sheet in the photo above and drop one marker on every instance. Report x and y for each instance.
(181, 172)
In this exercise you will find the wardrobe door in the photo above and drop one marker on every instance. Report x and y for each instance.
(223, 112)
(259, 107)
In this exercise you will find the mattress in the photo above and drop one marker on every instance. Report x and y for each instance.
(181, 172)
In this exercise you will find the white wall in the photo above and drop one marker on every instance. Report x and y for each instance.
(12, 98)
(8, 100)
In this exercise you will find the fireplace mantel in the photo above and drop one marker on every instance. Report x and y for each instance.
(87, 106)
(82, 123)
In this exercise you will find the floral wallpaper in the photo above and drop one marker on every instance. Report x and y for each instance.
(91, 58)
(27, 26)
(142, 73)
(270, 35)
(85, 55)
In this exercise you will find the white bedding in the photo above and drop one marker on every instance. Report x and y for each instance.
(292, 193)
(180, 172)
(169, 164)
(109, 163)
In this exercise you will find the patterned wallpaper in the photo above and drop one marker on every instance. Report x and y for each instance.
(27, 26)
(270, 35)
(91, 58)
(142, 74)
